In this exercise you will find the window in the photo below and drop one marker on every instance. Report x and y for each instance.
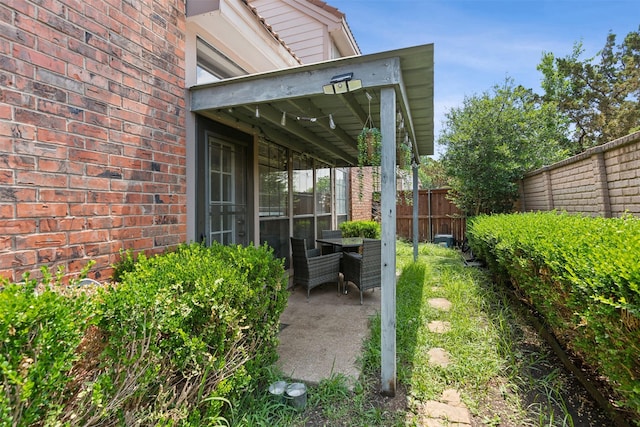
(213, 65)
(274, 198)
(342, 205)
(303, 199)
(274, 180)
(323, 198)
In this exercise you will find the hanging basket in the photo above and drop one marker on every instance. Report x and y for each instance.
(369, 147)
(403, 155)
(400, 157)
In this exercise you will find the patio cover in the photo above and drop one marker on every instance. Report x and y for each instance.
(256, 103)
(397, 92)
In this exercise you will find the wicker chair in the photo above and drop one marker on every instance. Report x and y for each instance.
(364, 270)
(312, 269)
(329, 234)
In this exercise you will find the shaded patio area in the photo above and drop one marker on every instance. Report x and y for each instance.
(324, 336)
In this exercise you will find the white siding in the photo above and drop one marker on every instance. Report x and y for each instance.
(307, 37)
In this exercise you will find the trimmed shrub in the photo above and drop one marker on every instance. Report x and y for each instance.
(190, 328)
(40, 329)
(582, 275)
(366, 229)
(172, 344)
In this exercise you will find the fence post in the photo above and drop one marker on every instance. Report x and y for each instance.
(549, 189)
(602, 189)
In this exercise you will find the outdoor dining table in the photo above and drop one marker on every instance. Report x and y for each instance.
(343, 242)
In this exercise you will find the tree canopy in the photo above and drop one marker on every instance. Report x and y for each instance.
(492, 140)
(495, 138)
(432, 174)
(600, 95)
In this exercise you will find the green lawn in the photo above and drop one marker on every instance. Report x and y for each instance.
(502, 370)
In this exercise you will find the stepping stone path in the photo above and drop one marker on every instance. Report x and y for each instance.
(440, 303)
(439, 357)
(449, 409)
(439, 327)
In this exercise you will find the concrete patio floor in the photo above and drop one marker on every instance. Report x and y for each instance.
(324, 335)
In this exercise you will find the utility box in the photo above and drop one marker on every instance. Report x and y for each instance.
(444, 240)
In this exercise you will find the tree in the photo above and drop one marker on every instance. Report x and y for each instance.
(601, 99)
(492, 140)
(432, 174)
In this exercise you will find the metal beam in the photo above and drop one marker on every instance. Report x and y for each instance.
(313, 111)
(269, 132)
(274, 116)
(416, 202)
(388, 262)
(352, 104)
(281, 85)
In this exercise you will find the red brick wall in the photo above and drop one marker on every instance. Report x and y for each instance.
(361, 193)
(92, 132)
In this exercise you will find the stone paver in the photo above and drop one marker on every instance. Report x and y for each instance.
(440, 303)
(448, 411)
(452, 397)
(439, 357)
(439, 326)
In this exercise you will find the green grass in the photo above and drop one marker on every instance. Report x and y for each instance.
(495, 358)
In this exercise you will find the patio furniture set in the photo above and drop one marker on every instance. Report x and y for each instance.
(338, 259)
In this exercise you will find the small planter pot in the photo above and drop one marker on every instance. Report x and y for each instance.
(296, 394)
(277, 391)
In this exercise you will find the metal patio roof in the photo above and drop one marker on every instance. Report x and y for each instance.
(256, 103)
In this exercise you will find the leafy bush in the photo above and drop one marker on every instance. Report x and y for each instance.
(191, 328)
(172, 344)
(583, 275)
(40, 329)
(367, 229)
(127, 262)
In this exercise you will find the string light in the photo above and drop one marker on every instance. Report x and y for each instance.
(283, 118)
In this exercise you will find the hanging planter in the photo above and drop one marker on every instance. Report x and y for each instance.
(369, 153)
(369, 147)
(403, 155)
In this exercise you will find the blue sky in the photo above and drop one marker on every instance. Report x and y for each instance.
(478, 43)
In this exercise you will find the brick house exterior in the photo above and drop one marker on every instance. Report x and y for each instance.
(103, 148)
(92, 132)
(96, 134)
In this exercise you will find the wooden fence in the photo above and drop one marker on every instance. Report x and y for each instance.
(436, 215)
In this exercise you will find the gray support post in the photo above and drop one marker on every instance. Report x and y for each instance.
(388, 262)
(416, 237)
(430, 232)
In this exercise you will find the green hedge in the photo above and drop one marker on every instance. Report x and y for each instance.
(40, 329)
(582, 274)
(362, 228)
(173, 342)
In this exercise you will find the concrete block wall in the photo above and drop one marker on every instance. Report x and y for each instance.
(92, 132)
(602, 181)
(536, 189)
(623, 171)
